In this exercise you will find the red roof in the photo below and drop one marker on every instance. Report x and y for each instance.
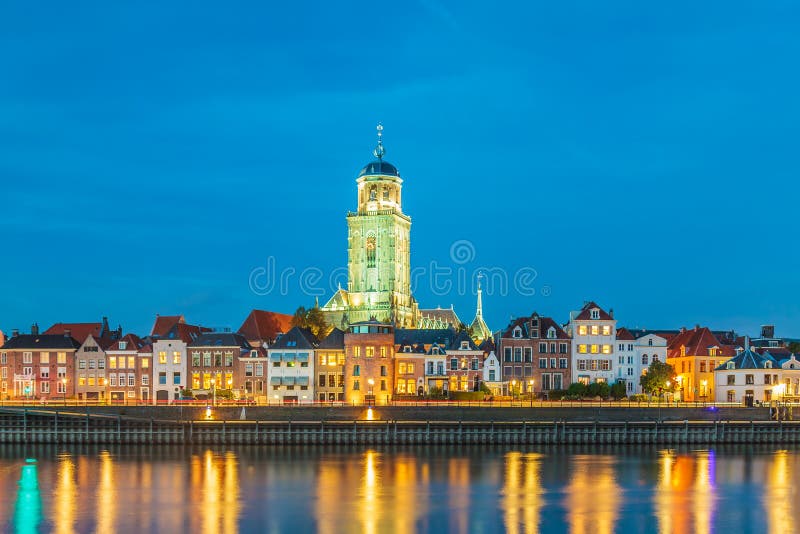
(133, 341)
(623, 334)
(585, 313)
(78, 331)
(263, 325)
(697, 342)
(164, 324)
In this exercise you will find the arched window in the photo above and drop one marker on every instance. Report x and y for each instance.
(371, 251)
(373, 193)
(386, 193)
(644, 359)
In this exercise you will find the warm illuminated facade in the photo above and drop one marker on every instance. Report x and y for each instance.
(421, 360)
(213, 357)
(753, 377)
(90, 369)
(464, 364)
(171, 335)
(330, 367)
(694, 354)
(128, 371)
(378, 252)
(594, 340)
(35, 366)
(369, 366)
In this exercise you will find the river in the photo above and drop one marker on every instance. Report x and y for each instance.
(386, 490)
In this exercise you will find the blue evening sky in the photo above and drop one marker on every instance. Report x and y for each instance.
(643, 155)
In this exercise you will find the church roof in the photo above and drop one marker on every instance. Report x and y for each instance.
(379, 168)
(439, 318)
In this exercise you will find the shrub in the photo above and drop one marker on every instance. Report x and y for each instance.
(576, 389)
(556, 394)
(618, 390)
(638, 397)
(467, 395)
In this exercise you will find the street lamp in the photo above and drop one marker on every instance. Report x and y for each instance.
(64, 383)
(513, 387)
(668, 384)
(530, 390)
(371, 383)
(213, 392)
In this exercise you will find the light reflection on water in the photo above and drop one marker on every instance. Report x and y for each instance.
(402, 490)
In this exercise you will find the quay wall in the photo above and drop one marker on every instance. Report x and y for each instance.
(29, 426)
(436, 413)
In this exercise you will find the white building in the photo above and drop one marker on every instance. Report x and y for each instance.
(171, 335)
(636, 350)
(491, 374)
(290, 371)
(750, 377)
(594, 343)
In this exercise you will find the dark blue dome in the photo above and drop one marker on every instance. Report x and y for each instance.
(379, 167)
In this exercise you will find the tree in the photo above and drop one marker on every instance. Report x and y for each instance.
(598, 389)
(576, 389)
(794, 347)
(618, 390)
(313, 319)
(658, 375)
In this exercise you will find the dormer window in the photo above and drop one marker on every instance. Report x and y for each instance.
(535, 322)
(730, 365)
(535, 333)
(435, 350)
(253, 353)
(123, 345)
(407, 348)
(650, 341)
(594, 313)
(465, 345)
(551, 333)
(768, 365)
(517, 333)
(712, 352)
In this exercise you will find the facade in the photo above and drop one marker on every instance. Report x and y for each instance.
(369, 363)
(212, 360)
(594, 342)
(378, 252)
(535, 355)
(90, 375)
(171, 336)
(250, 375)
(492, 374)
(464, 363)
(330, 367)
(695, 354)
(291, 367)
(128, 371)
(751, 377)
(34, 366)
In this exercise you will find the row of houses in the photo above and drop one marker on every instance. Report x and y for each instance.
(268, 360)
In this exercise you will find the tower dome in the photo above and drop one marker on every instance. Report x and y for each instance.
(379, 167)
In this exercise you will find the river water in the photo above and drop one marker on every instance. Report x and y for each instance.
(385, 490)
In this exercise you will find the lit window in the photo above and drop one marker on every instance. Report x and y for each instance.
(582, 349)
(606, 349)
(606, 330)
(582, 330)
(595, 349)
(595, 330)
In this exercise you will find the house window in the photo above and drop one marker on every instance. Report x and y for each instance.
(507, 354)
(474, 365)
(562, 363)
(44, 357)
(582, 331)
(517, 355)
(61, 357)
(162, 379)
(595, 330)
(162, 357)
(145, 380)
(542, 363)
(606, 330)
(581, 365)
(45, 372)
(27, 357)
(644, 359)
(731, 380)
(112, 379)
(81, 364)
(582, 349)
(453, 364)
(749, 379)
(259, 369)
(356, 385)
(356, 370)
(112, 362)
(383, 370)
(383, 385)
(176, 379)
(123, 345)
(606, 349)
(595, 313)
(517, 333)
(228, 359)
(562, 348)
(551, 333)
(528, 353)
(543, 348)
(595, 349)
(492, 376)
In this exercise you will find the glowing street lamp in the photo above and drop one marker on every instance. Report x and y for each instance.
(64, 383)
(530, 389)
(213, 392)
(513, 387)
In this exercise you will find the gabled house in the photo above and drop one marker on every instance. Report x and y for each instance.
(695, 354)
(171, 336)
(126, 366)
(535, 355)
(212, 361)
(291, 367)
(330, 367)
(594, 340)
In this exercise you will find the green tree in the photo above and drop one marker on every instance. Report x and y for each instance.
(660, 377)
(618, 390)
(576, 389)
(794, 347)
(313, 319)
(299, 317)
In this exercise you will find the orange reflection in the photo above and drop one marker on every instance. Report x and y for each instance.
(218, 480)
(369, 494)
(65, 495)
(778, 494)
(106, 496)
(458, 493)
(593, 495)
(522, 492)
(686, 484)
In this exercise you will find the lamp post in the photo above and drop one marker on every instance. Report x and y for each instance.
(64, 383)
(371, 383)
(213, 392)
(513, 388)
(530, 390)
(703, 390)
(668, 384)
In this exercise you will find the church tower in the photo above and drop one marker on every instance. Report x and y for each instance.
(379, 247)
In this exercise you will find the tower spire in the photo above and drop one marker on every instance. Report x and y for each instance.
(479, 309)
(379, 150)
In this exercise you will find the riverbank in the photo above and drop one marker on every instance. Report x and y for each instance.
(41, 426)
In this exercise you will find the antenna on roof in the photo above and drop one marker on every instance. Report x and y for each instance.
(379, 150)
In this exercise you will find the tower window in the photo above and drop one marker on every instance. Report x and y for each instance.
(371, 251)
(373, 193)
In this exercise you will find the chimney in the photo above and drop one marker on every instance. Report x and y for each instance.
(35, 329)
(14, 332)
(67, 332)
(767, 331)
(696, 327)
(683, 330)
(611, 312)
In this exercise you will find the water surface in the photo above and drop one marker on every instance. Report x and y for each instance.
(385, 490)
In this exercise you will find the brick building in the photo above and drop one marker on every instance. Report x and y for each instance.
(129, 370)
(330, 367)
(535, 349)
(369, 368)
(212, 360)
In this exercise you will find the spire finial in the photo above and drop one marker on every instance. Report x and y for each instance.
(379, 150)
(479, 307)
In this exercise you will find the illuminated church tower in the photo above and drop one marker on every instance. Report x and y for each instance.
(378, 251)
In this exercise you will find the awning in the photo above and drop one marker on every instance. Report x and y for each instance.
(289, 357)
(275, 381)
(288, 380)
(302, 380)
(302, 357)
(275, 357)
